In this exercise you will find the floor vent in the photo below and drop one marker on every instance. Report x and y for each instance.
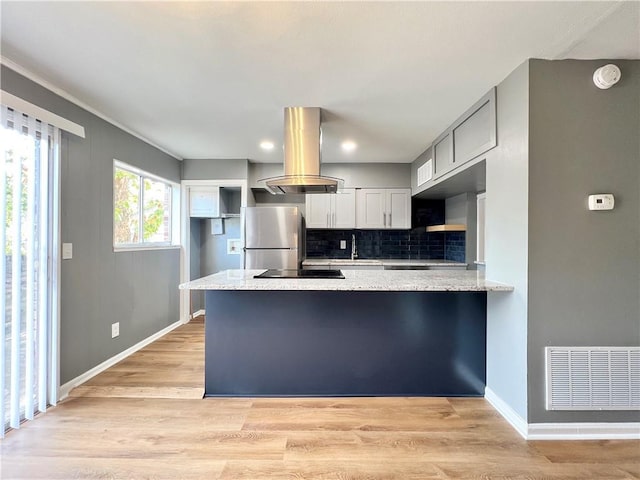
(593, 378)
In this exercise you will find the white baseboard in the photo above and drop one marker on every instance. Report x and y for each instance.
(63, 391)
(584, 431)
(509, 414)
(563, 431)
(197, 313)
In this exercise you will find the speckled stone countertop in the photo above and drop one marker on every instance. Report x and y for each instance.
(342, 262)
(355, 280)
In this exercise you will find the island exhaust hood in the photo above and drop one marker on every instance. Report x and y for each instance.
(302, 141)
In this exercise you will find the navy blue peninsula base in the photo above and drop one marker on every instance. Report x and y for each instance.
(333, 343)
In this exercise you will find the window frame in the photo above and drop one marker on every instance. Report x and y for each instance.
(174, 211)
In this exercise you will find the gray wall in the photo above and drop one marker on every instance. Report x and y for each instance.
(370, 175)
(98, 286)
(213, 248)
(584, 267)
(355, 175)
(218, 169)
(461, 209)
(196, 296)
(506, 243)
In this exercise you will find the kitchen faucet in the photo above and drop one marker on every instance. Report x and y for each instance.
(354, 249)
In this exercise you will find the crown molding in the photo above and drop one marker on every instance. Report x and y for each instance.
(67, 96)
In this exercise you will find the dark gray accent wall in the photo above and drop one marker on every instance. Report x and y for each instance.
(214, 169)
(99, 287)
(584, 266)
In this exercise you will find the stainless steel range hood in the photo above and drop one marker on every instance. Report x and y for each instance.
(302, 141)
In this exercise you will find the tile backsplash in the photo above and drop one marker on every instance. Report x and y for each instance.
(404, 244)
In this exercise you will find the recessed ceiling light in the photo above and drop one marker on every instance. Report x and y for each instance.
(266, 145)
(349, 146)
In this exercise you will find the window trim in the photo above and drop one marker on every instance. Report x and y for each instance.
(174, 209)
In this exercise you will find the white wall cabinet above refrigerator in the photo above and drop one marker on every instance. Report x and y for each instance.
(214, 202)
(382, 208)
(331, 211)
(204, 202)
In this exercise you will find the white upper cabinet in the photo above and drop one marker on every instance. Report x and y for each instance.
(317, 210)
(344, 208)
(204, 202)
(381, 208)
(398, 205)
(331, 211)
(370, 208)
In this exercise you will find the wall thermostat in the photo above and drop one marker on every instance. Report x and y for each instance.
(601, 201)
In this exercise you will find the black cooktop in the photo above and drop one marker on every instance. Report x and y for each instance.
(274, 273)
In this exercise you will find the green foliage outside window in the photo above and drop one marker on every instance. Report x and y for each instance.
(128, 197)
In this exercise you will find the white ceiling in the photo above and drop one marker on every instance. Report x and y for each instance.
(211, 79)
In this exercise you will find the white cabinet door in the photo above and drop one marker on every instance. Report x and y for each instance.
(383, 208)
(398, 208)
(370, 208)
(331, 211)
(204, 202)
(318, 210)
(344, 209)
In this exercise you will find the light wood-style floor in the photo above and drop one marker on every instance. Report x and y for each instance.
(138, 420)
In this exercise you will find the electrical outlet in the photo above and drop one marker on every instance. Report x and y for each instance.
(115, 329)
(343, 244)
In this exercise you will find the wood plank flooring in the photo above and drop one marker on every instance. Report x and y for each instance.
(135, 421)
(170, 367)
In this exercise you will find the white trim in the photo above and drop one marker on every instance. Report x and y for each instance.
(149, 246)
(67, 96)
(508, 413)
(143, 173)
(584, 431)
(185, 234)
(79, 380)
(41, 114)
(563, 431)
(198, 313)
(174, 217)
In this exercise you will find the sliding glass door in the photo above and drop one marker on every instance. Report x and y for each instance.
(28, 266)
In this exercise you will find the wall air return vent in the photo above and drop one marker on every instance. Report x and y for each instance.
(425, 172)
(593, 378)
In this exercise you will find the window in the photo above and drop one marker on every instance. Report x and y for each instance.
(28, 265)
(143, 209)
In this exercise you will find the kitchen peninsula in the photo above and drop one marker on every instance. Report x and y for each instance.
(371, 333)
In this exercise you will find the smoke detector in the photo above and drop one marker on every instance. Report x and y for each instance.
(606, 76)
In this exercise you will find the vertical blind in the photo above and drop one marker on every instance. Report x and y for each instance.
(28, 265)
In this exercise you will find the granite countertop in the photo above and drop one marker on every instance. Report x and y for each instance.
(355, 280)
(381, 262)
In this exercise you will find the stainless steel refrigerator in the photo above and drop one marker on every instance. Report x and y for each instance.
(273, 237)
